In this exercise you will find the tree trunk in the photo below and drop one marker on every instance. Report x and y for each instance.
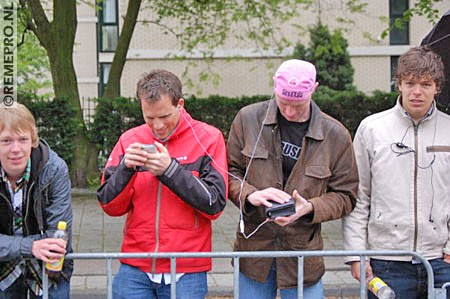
(58, 38)
(112, 89)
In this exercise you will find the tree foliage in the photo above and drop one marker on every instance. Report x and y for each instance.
(32, 63)
(420, 8)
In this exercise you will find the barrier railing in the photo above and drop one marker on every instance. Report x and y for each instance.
(433, 293)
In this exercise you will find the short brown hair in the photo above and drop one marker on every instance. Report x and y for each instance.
(159, 82)
(19, 119)
(420, 62)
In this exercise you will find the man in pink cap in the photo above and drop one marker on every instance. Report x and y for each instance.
(286, 152)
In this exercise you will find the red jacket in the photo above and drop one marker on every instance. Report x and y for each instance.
(171, 212)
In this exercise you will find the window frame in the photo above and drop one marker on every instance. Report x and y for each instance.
(398, 36)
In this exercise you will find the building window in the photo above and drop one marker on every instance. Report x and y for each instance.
(398, 36)
(108, 25)
(394, 63)
(104, 74)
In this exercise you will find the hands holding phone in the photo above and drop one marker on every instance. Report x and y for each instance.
(152, 157)
(273, 198)
(302, 208)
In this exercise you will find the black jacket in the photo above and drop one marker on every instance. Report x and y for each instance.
(46, 202)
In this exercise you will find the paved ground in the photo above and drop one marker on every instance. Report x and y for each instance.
(94, 231)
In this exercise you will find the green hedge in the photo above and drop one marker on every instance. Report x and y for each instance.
(219, 111)
(113, 117)
(349, 107)
(57, 123)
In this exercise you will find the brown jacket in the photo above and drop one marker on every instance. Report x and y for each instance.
(325, 174)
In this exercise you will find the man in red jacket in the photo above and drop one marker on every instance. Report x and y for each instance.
(170, 192)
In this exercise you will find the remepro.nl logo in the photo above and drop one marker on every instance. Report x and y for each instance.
(8, 53)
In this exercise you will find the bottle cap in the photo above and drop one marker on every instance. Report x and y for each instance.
(62, 225)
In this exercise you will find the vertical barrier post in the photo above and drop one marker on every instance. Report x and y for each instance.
(109, 277)
(442, 292)
(44, 282)
(236, 276)
(300, 261)
(362, 271)
(173, 277)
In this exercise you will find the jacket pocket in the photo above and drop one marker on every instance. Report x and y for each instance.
(256, 160)
(257, 152)
(316, 180)
(177, 214)
(318, 172)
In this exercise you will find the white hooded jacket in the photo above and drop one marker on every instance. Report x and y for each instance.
(404, 190)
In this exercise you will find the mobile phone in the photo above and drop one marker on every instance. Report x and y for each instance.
(281, 209)
(150, 148)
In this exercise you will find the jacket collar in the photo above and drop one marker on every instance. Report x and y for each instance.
(271, 118)
(430, 114)
(315, 130)
(39, 157)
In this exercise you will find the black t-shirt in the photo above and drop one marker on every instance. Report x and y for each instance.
(292, 134)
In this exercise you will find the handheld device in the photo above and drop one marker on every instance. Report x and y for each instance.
(281, 210)
(150, 148)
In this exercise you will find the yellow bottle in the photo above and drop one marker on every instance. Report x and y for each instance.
(380, 289)
(60, 233)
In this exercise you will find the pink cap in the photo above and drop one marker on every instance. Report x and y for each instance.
(295, 80)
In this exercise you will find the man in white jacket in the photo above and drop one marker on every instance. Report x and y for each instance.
(403, 158)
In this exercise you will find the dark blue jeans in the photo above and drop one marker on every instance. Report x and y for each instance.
(250, 289)
(132, 283)
(18, 290)
(409, 280)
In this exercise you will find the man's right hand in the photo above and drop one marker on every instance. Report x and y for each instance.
(49, 249)
(135, 156)
(356, 270)
(262, 197)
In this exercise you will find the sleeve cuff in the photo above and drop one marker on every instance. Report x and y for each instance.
(350, 259)
(26, 245)
(170, 171)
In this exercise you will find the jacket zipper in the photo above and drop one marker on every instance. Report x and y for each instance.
(416, 163)
(158, 214)
(28, 191)
(206, 190)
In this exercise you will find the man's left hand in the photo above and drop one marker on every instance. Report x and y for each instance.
(302, 207)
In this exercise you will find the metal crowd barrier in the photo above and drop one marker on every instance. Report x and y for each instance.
(433, 293)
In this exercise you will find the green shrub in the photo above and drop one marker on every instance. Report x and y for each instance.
(328, 52)
(351, 106)
(56, 123)
(219, 111)
(111, 119)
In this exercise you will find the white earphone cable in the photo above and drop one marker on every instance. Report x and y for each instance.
(242, 181)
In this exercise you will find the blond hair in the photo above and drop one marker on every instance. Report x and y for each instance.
(19, 120)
